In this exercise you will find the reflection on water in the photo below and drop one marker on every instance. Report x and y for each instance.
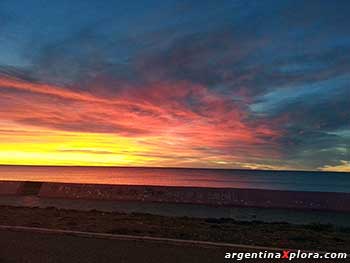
(278, 180)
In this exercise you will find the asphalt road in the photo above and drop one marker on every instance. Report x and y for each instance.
(35, 247)
(31, 247)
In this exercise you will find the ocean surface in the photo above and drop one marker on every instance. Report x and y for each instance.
(275, 180)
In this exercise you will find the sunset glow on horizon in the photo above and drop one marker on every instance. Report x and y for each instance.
(141, 130)
(165, 87)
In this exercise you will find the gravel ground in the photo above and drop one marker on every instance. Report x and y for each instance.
(311, 237)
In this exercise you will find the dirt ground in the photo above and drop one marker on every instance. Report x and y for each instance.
(310, 237)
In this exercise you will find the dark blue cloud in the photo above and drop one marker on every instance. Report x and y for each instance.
(282, 62)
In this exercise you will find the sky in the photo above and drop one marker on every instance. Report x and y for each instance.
(210, 84)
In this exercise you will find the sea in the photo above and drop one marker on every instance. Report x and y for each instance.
(315, 181)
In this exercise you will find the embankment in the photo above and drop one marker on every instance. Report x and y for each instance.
(185, 195)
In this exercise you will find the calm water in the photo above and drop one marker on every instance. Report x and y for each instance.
(278, 180)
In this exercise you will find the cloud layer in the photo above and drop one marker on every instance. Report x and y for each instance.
(235, 85)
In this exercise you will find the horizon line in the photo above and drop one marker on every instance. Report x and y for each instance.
(173, 167)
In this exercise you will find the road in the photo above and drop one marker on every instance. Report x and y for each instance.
(26, 247)
(33, 247)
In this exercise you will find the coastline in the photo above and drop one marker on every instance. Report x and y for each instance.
(235, 197)
(306, 234)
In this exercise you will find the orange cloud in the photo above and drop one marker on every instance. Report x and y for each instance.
(163, 124)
